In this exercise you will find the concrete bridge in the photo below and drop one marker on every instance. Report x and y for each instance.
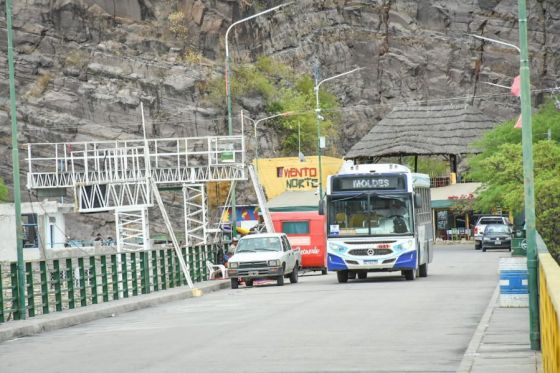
(450, 321)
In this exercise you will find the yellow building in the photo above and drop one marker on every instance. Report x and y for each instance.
(279, 175)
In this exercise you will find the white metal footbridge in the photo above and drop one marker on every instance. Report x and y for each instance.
(108, 175)
(124, 176)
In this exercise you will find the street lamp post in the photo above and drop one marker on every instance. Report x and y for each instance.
(255, 125)
(318, 120)
(21, 309)
(496, 41)
(528, 175)
(228, 99)
(228, 72)
(527, 143)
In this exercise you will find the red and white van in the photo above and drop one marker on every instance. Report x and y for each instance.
(306, 233)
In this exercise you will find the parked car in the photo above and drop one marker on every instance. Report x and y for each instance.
(496, 236)
(481, 224)
(264, 256)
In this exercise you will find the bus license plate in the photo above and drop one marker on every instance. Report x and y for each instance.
(253, 273)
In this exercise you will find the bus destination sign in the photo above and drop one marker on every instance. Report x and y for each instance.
(373, 182)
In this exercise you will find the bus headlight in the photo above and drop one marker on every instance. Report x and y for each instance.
(404, 246)
(337, 248)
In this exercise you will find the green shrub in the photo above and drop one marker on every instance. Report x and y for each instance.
(40, 86)
(76, 58)
(283, 90)
(177, 24)
(4, 194)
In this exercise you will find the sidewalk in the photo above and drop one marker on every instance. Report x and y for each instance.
(59, 320)
(501, 342)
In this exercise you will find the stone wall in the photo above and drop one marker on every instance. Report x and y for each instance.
(84, 66)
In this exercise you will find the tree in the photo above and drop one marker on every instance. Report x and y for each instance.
(545, 119)
(500, 168)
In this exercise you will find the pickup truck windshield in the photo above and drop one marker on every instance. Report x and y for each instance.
(259, 244)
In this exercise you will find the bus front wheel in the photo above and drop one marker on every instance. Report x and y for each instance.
(409, 274)
(342, 276)
(423, 270)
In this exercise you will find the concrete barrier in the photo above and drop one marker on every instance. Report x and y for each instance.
(514, 282)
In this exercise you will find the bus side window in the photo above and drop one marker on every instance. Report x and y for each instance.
(417, 200)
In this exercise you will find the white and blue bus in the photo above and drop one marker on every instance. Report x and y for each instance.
(378, 219)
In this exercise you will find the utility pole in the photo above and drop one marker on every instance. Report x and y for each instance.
(527, 144)
(228, 102)
(15, 165)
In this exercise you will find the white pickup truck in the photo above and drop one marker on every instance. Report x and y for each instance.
(482, 222)
(264, 255)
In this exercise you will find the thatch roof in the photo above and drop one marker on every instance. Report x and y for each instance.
(424, 130)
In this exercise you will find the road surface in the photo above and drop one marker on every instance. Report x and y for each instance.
(381, 324)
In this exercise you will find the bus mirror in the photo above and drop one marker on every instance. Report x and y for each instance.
(321, 208)
(417, 200)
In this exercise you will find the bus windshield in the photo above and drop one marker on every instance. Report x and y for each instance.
(370, 215)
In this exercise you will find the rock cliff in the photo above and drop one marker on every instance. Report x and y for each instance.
(84, 66)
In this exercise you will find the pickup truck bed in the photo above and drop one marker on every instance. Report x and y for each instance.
(482, 222)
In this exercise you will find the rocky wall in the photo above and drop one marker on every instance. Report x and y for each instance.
(84, 66)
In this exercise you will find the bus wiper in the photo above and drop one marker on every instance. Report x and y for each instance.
(350, 198)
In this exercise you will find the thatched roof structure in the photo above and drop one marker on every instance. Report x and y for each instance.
(423, 130)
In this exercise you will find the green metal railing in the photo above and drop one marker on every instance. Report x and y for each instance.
(60, 284)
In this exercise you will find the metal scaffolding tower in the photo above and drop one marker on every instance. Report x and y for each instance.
(196, 221)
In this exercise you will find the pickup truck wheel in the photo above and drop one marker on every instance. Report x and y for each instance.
(342, 276)
(324, 271)
(249, 283)
(351, 275)
(294, 274)
(280, 280)
(234, 283)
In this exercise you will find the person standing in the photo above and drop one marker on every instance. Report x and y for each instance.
(231, 250)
